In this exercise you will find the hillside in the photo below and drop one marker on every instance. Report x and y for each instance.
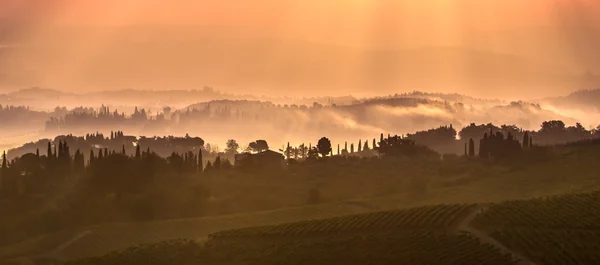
(553, 230)
(374, 238)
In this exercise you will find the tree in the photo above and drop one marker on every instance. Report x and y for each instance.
(49, 154)
(200, 162)
(137, 151)
(217, 163)
(471, 147)
(359, 145)
(4, 161)
(324, 146)
(302, 151)
(366, 146)
(259, 146)
(526, 140)
(352, 148)
(232, 147)
(313, 153)
(374, 144)
(123, 150)
(338, 149)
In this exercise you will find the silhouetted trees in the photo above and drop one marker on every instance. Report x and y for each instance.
(495, 145)
(398, 146)
(259, 146)
(324, 146)
(526, 140)
(471, 147)
(232, 147)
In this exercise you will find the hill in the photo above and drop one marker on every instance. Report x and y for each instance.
(553, 230)
(374, 238)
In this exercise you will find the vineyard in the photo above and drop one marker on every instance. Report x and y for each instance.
(400, 247)
(441, 217)
(424, 235)
(555, 230)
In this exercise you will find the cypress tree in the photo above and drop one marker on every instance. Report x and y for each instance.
(526, 140)
(287, 151)
(92, 158)
(4, 162)
(37, 152)
(380, 139)
(374, 144)
(123, 151)
(530, 142)
(466, 149)
(200, 162)
(352, 148)
(55, 155)
(359, 145)
(49, 154)
(346, 146)
(217, 163)
(137, 151)
(366, 146)
(60, 149)
(338, 149)
(100, 155)
(471, 147)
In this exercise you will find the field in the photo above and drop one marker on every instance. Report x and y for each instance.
(423, 235)
(554, 230)
(545, 220)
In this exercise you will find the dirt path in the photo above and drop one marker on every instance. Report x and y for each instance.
(62, 246)
(465, 226)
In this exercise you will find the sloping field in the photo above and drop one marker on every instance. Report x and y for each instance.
(101, 239)
(424, 235)
(554, 230)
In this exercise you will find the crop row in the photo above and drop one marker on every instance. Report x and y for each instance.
(573, 211)
(553, 246)
(440, 217)
(406, 247)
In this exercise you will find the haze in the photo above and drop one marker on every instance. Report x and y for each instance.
(506, 49)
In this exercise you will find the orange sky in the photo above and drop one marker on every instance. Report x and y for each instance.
(394, 24)
(489, 13)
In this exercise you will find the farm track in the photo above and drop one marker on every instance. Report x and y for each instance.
(465, 226)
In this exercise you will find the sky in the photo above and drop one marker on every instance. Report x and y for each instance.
(80, 32)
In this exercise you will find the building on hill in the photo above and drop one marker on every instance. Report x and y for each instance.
(266, 160)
